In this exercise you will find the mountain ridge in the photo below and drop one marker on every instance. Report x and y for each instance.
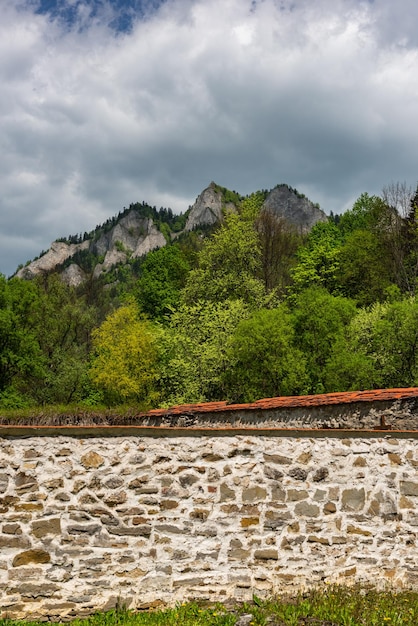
(139, 229)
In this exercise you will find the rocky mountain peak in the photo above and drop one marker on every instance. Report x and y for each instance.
(140, 229)
(209, 208)
(294, 207)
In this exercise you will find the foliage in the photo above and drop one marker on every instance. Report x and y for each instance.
(379, 349)
(163, 275)
(125, 357)
(319, 321)
(279, 242)
(264, 359)
(194, 349)
(318, 260)
(229, 265)
(20, 353)
(364, 272)
(332, 604)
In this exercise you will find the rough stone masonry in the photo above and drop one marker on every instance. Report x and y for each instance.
(86, 523)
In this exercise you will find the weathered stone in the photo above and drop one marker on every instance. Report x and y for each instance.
(272, 472)
(62, 497)
(147, 490)
(13, 541)
(169, 528)
(360, 462)
(54, 483)
(78, 486)
(36, 591)
(47, 526)
(109, 520)
(31, 556)
(12, 529)
(294, 495)
(266, 554)
(405, 503)
(319, 495)
(199, 514)
(25, 483)
(320, 474)
(168, 504)
(28, 506)
(63, 452)
(395, 459)
(211, 457)
(298, 473)
(87, 498)
(92, 460)
(116, 498)
(88, 529)
(114, 482)
(273, 521)
(355, 530)
(253, 494)
(277, 458)
(213, 474)
(239, 452)
(329, 508)
(137, 459)
(188, 479)
(278, 494)
(4, 482)
(249, 521)
(226, 493)
(315, 539)
(305, 509)
(304, 458)
(353, 499)
(409, 488)
(138, 482)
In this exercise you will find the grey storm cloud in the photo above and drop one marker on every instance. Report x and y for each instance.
(321, 95)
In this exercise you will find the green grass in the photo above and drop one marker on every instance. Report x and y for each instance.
(55, 415)
(334, 606)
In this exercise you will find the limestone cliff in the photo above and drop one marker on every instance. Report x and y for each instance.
(294, 207)
(57, 254)
(139, 229)
(209, 208)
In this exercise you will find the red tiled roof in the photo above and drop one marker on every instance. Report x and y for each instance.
(284, 402)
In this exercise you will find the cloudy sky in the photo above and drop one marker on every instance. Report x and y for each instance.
(107, 102)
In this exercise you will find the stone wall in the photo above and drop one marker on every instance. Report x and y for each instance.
(142, 520)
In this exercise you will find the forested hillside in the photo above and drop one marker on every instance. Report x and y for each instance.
(247, 308)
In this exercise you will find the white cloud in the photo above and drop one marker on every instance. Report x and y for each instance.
(321, 95)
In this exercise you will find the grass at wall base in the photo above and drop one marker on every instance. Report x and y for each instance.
(330, 606)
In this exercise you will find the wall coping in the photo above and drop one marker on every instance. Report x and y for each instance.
(376, 410)
(323, 399)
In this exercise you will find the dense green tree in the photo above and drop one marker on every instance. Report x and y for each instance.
(364, 269)
(379, 349)
(319, 321)
(318, 260)
(279, 242)
(125, 355)
(62, 322)
(163, 275)
(195, 353)
(229, 265)
(264, 361)
(20, 354)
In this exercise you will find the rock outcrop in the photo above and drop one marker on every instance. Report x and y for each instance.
(208, 208)
(136, 232)
(294, 208)
(57, 254)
